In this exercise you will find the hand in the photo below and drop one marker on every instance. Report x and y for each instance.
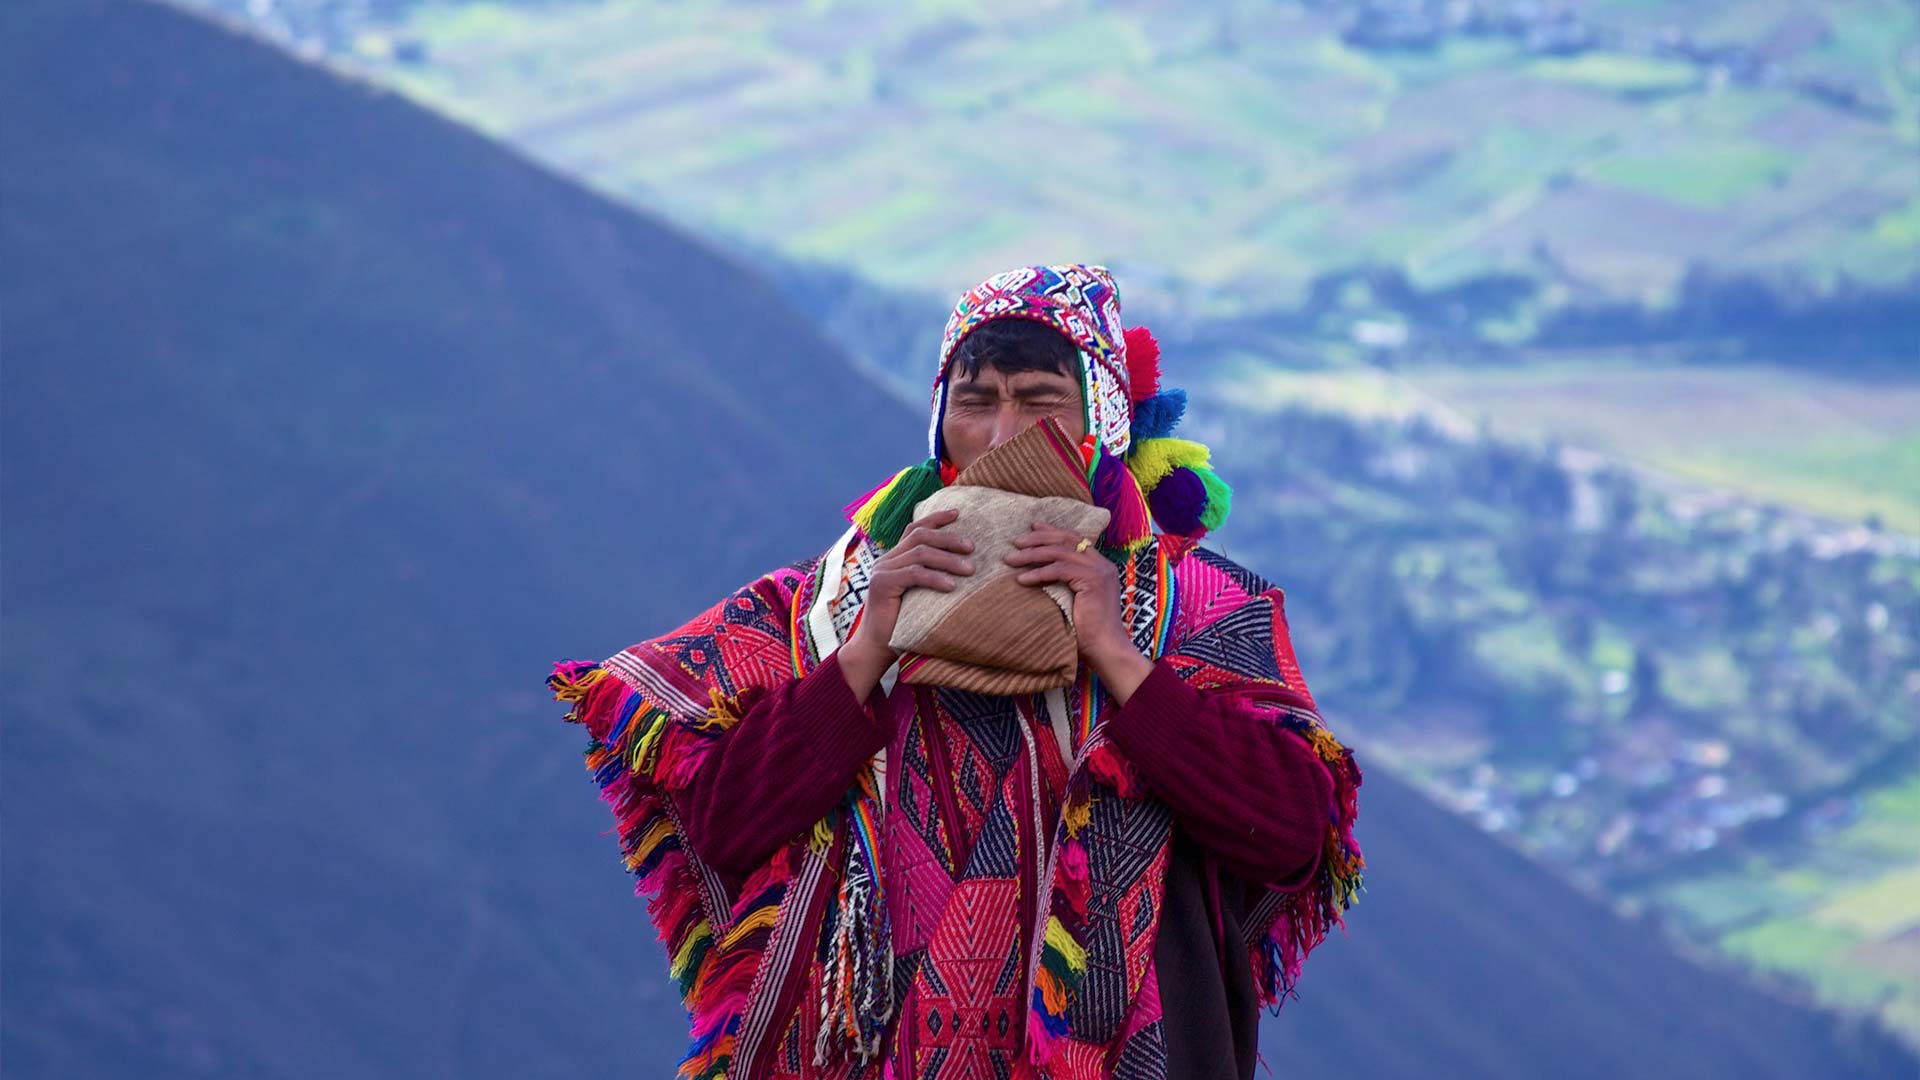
(927, 556)
(1053, 554)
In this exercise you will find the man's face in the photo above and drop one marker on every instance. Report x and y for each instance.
(990, 407)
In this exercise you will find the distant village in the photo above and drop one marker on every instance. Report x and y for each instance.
(1616, 675)
(1561, 29)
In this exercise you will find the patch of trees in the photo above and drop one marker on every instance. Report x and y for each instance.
(1851, 327)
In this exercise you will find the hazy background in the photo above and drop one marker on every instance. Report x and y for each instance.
(1565, 358)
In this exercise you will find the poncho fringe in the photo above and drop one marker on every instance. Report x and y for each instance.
(636, 754)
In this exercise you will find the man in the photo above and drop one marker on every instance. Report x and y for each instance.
(856, 877)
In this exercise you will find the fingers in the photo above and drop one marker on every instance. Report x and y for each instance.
(939, 519)
(1058, 562)
(1034, 556)
(1044, 533)
(938, 559)
(908, 577)
(924, 564)
(930, 531)
(1055, 571)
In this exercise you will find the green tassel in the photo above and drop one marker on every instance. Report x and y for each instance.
(895, 511)
(1219, 497)
(690, 970)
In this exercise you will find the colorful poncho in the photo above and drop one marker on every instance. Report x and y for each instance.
(986, 895)
(813, 923)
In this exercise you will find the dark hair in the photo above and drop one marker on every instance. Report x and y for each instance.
(1014, 345)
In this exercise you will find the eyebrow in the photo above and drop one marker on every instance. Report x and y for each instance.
(1032, 390)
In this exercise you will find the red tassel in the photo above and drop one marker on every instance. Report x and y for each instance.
(1076, 883)
(675, 911)
(1106, 765)
(601, 707)
(1143, 364)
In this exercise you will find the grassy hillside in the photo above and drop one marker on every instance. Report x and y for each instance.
(1853, 451)
(1226, 155)
(326, 425)
(1326, 185)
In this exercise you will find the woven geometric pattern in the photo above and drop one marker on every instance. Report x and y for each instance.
(1239, 643)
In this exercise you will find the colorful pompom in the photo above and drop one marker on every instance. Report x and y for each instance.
(1130, 523)
(1143, 363)
(1219, 498)
(885, 512)
(1075, 877)
(1157, 416)
(1152, 459)
(1179, 501)
(863, 505)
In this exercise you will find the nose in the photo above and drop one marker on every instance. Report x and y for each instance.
(1007, 422)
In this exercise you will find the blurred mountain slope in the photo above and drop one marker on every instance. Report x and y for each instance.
(328, 427)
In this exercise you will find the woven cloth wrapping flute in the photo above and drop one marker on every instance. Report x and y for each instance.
(992, 634)
(873, 923)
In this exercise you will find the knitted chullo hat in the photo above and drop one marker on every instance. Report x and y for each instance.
(1134, 467)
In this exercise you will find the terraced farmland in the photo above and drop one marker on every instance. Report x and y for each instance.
(1226, 157)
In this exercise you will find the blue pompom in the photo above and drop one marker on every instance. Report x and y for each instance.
(1157, 416)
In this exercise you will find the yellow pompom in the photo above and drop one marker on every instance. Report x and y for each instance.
(1152, 459)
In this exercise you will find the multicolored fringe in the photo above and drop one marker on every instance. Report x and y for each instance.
(1060, 968)
(1062, 965)
(856, 1002)
(638, 753)
(1305, 916)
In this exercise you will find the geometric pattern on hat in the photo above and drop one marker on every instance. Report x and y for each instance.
(1078, 300)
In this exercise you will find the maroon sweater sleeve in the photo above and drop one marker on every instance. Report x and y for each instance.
(1248, 790)
(780, 768)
